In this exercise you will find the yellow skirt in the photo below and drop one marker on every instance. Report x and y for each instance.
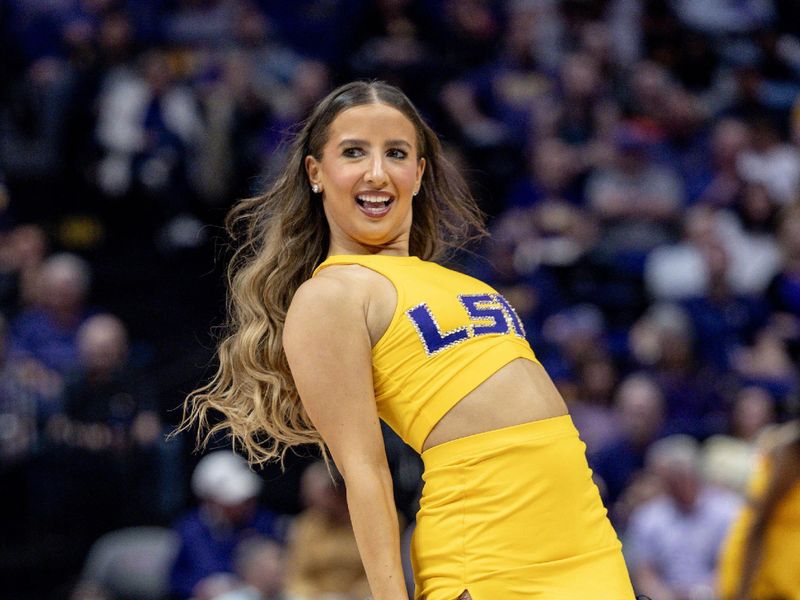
(514, 514)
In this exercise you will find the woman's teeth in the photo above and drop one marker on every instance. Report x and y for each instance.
(374, 206)
(374, 201)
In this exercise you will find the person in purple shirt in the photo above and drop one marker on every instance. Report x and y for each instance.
(227, 515)
(46, 333)
(639, 407)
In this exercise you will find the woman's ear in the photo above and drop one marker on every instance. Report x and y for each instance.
(312, 169)
(420, 171)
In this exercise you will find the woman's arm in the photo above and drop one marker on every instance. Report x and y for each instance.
(327, 344)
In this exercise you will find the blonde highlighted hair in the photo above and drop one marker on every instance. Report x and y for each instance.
(278, 240)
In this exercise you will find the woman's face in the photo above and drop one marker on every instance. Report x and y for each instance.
(368, 173)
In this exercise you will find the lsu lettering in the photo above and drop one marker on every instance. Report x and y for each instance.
(488, 313)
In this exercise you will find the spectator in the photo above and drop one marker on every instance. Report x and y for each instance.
(663, 341)
(751, 242)
(472, 32)
(113, 433)
(723, 318)
(673, 540)
(729, 138)
(772, 163)
(101, 453)
(33, 118)
(147, 126)
(591, 409)
(583, 93)
(322, 556)
(649, 86)
(553, 170)
(636, 200)
(639, 406)
(22, 251)
(767, 362)
(729, 459)
(684, 270)
(46, 333)
(260, 565)
(227, 515)
(678, 271)
(578, 333)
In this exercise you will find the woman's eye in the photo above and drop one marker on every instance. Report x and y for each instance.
(396, 153)
(352, 152)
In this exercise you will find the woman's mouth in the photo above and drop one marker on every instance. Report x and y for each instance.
(375, 205)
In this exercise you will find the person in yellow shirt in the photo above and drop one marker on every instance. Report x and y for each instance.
(321, 552)
(761, 557)
(340, 316)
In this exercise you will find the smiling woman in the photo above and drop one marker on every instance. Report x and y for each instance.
(339, 317)
(367, 173)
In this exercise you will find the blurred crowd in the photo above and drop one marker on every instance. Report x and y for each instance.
(640, 164)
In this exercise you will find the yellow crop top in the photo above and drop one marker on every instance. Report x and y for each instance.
(449, 333)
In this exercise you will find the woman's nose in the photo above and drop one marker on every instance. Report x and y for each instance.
(376, 175)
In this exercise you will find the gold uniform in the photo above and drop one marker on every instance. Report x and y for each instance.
(508, 514)
(778, 573)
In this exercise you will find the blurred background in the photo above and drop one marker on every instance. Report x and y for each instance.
(640, 164)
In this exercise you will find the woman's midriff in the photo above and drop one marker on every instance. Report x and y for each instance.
(519, 392)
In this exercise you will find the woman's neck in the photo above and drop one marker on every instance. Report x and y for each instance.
(395, 249)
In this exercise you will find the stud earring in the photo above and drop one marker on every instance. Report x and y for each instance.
(415, 193)
(315, 188)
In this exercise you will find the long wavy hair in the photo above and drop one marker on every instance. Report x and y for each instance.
(278, 239)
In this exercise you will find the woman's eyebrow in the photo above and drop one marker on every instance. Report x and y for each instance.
(352, 142)
(356, 142)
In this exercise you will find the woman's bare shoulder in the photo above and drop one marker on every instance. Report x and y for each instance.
(330, 293)
(343, 283)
